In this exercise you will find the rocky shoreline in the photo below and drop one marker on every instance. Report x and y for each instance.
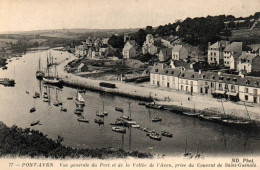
(17, 142)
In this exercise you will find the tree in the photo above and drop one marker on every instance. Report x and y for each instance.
(116, 41)
(149, 30)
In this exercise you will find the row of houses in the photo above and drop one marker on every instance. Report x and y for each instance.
(175, 52)
(92, 48)
(217, 84)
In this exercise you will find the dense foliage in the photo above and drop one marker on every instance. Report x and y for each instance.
(27, 142)
(116, 41)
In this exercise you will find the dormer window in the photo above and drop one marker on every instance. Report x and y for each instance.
(172, 72)
(192, 76)
(166, 71)
(228, 78)
(221, 78)
(257, 83)
(247, 82)
(183, 75)
(203, 76)
(156, 70)
(213, 77)
(234, 80)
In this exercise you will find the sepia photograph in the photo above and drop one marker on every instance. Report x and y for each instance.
(136, 84)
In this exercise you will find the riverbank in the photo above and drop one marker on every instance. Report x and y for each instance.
(16, 141)
(164, 96)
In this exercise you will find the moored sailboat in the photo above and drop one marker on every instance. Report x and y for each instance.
(79, 99)
(39, 73)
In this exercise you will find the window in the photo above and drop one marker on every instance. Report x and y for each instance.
(153, 76)
(220, 86)
(226, 86)
(211, 53)
(168, 78)
(255, 91)
(186, 81)
(181, 81)
(203, 76)
(212, 85)
(191, 82)
(214, 54)
(153, 82)
(246, 97)
(206, 83)
(162, 77)
(246, 90)
(187, 88)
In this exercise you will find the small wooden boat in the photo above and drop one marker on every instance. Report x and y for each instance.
(100, 114)
(193, 114)
(36, 95)
(130, 122)
(141, 103)
(214, 118)
(63, 109)
(237, 122)
(98, 121)
(187, 155)
(135, 126)
(126, 118)
(156, 119)
(82, 120)
(77, 112)
(80, 109)
(118, 123)
(45, 100)
(166, 134)
(69, 98)
(56, 103)
(119, 129)
(27, 92)
(60, 103)
(155, 136)
(119, 109)
(4, 68)
(153, 106)
(32, 110)
(35, 122)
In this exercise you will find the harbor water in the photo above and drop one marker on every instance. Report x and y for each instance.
(15, 103)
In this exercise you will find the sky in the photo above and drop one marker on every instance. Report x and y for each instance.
(26, 15)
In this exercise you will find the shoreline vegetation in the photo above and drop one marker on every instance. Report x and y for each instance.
(17, 142)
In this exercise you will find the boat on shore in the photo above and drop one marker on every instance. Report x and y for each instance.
(141, 103)
(119, 109)
(32, 110)
(118, 123)
(77, 112)
(119, 129)
(191, 113)
(153, 106)
(4, 68)
(213, 118)
(100, 114)
(35, 122)
(7, 82)
(69, 98)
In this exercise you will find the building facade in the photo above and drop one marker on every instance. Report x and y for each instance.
(179, 52)
(248, 62)
(215, 52)
(231, 54)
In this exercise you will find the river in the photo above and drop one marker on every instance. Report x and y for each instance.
(206, 137)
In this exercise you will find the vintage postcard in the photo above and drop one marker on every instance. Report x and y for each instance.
(137, 84)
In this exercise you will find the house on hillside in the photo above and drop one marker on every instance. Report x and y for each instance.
(215, 52)
(179, 52)
(89, 41)
(248, 62)
(166, 43)
(129, 50)
(81, 50)
(231, 54)
(169, 78)
(206, 82)
(148, 46)
(165, 54)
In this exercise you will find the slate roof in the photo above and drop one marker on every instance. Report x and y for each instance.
(250, 82)
(248, 56)
(166, 51)
(235, 46)
(190, 75)
(170, 72)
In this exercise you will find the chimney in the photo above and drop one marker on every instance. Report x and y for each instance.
(191, 65)
(172, 64)
(209, 43)
(242, 74)
(199, 71)
(219, 73)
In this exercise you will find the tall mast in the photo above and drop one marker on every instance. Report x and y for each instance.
(129, 110)
(247, 111)
(223, 107)
(103, 106)
(48, 65)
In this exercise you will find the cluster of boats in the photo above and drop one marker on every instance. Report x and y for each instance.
(219, 118)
